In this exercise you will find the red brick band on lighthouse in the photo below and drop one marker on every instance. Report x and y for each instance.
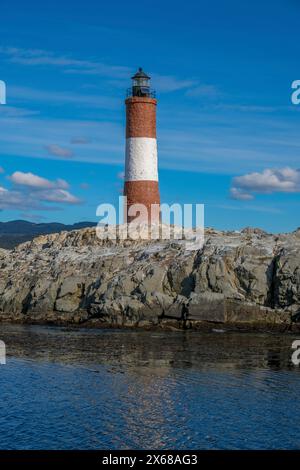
(141, 174)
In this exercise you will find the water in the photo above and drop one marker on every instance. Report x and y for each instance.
(111, 389)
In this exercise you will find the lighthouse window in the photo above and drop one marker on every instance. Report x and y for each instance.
(140, 82)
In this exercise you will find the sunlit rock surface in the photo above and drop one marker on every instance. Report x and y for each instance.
(75, 277)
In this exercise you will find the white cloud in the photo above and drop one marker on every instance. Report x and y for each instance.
(59, 195)
(35, 181)
(284, 180)
(239, 194)
(31, 192)
(59, 151)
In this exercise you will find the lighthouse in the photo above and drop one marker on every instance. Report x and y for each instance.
(141, 173)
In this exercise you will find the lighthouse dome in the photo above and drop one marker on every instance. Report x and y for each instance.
(140, 74)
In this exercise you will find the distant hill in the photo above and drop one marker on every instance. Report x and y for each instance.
(18, 231)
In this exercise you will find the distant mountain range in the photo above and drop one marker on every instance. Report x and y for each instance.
(18, 231)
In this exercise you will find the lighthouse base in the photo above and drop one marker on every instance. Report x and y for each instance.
(143, 201)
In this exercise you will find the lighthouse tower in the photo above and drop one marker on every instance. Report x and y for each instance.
(141, 175)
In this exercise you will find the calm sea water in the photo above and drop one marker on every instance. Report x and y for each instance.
(111, 389)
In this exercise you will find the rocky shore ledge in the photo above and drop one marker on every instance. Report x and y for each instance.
(238, 279)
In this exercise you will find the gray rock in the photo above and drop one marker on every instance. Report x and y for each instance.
(209, 306)
(248, 276)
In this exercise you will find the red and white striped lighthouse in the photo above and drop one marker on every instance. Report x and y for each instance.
(141, 174)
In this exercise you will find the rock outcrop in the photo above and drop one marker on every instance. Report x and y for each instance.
(242, 277)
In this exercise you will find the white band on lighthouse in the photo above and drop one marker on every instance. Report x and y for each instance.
(141, 159)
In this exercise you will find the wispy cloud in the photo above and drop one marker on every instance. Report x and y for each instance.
(207, 91)
(59, 151)
(79, 140)
(70, 65)
(33, 217)
(121, 175)
(38, 57)
(13, 111)
(169, 83)
(219, 137)
(248, 108)
(28, 94)
(84, 185)
(206, 145)
(29, 137)
(249, 207)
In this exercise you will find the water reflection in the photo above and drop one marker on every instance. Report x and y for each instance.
(148, 349)
(73, 388)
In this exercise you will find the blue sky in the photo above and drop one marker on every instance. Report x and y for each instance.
(228, 134)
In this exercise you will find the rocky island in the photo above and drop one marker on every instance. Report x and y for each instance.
(239, 279)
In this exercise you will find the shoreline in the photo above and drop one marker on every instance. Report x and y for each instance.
(165, 325)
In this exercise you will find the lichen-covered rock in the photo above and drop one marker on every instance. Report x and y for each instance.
(247, 276)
